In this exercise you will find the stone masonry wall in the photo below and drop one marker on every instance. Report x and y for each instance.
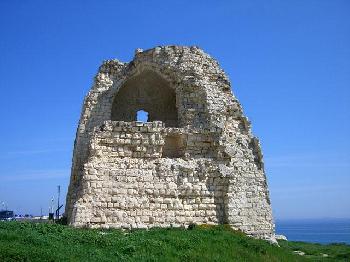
(199, 164)
(148, 189)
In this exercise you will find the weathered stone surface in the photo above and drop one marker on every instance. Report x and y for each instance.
(281, 237)
(195, 161)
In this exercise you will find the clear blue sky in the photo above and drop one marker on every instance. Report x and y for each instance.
(288, 61)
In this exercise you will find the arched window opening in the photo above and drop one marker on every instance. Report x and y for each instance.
(147, 91)
(142, 116)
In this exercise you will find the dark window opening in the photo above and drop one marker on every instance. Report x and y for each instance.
(173, 146)
(142, 116)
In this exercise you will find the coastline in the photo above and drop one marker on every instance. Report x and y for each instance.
(322, 231)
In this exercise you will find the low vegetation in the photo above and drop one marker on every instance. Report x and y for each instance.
(20, 241)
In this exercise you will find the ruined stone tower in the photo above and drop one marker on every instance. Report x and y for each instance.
(194, 161)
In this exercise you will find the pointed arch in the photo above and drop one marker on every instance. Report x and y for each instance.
(146, 91)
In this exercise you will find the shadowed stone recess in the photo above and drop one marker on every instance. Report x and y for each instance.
(194, 160)
(149, 92)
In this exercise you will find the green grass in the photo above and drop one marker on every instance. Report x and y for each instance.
(21, 241)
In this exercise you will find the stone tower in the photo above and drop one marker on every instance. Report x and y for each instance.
(194, 161)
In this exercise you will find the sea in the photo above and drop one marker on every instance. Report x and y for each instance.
(323, 231)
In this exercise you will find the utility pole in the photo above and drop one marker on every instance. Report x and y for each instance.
(51, 214)
(52, 202)
(58, 202)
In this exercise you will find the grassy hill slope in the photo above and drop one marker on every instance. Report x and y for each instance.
(51, 242)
